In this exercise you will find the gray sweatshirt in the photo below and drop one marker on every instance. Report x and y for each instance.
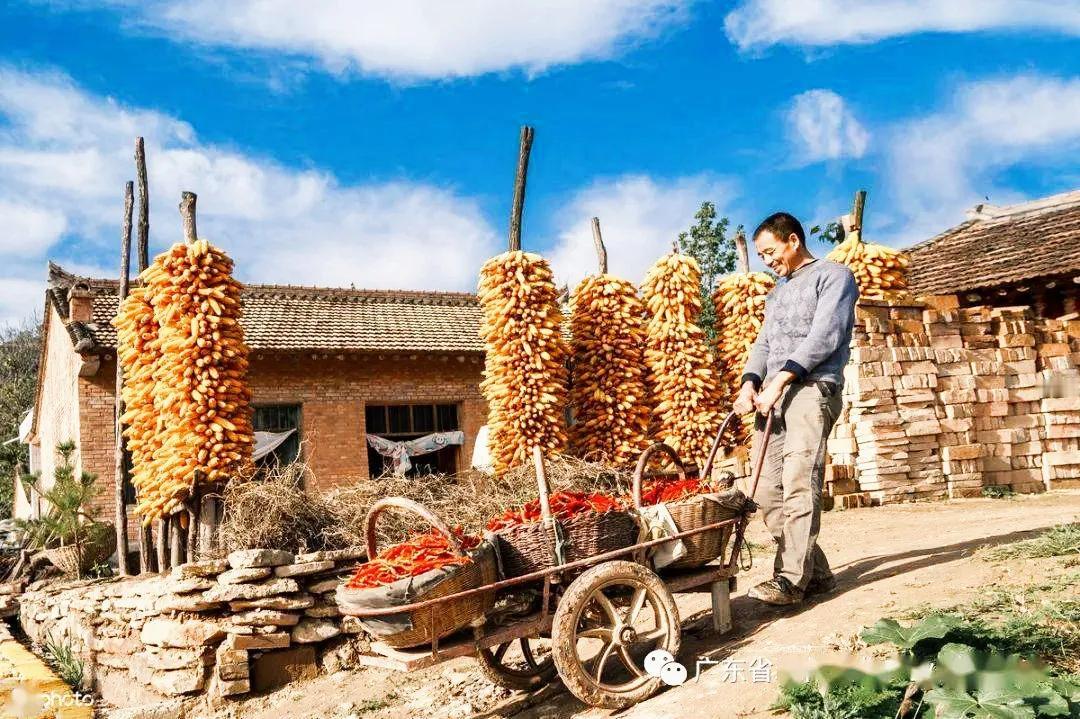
(808, 322)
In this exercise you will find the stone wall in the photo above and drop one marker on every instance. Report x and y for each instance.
(208, 630)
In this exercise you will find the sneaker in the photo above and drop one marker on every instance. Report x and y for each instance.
(777, 591)
(820, 585)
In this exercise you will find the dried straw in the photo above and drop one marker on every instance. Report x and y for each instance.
(277, 513)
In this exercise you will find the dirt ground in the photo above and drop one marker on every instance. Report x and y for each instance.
(887, 560)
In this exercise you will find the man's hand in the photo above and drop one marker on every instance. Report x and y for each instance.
(771, 393)
(744, 403)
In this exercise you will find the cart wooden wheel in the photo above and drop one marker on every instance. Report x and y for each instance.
(524, 663)
(609, 619)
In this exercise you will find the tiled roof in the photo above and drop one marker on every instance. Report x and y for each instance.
(288, 318)
(1000, 245)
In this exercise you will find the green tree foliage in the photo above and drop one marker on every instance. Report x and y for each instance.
(69, 520)
(19, 350)
(707, 242)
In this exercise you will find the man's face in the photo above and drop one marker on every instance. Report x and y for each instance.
(779, 256)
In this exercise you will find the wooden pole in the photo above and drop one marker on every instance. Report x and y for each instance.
(598, 241)
(191, 508)
(524, 151)
(187, 213)
(857, 213)
(742, 252)
(120, 449)
(161, 544)
(144, 205)
(147, 558)
(176, 538)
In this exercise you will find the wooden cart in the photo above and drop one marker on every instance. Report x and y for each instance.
(592, 630)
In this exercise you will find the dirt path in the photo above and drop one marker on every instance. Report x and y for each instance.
(887, 560)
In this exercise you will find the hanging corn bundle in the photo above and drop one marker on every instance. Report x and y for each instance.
(681, 372)
(740, 311)
(608, 392)
(525, 374)
(137, 351)
(879, 271)
(201, 399)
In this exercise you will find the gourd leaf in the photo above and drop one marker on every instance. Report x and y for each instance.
(957, 658)
(935, 626)
(1001, 704)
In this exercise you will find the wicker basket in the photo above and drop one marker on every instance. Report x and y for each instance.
(688, 514)
(96, 549)
(528, 548)
(410, 629)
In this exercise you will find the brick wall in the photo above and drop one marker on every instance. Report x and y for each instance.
(97, 438)
(332, 392)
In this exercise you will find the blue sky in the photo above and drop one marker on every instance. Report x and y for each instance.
(374, 143)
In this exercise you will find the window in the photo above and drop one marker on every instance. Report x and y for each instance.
(402, 422)
(279, 418)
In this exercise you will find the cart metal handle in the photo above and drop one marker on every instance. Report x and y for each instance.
(410, 506)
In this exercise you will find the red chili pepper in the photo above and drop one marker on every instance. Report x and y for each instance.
(564, 505)
(420, 554)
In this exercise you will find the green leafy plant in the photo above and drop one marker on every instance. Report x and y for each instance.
(949, 668)
(69, 521)
(707, 242)
(998, 491)
(831, 233)
(63, 659)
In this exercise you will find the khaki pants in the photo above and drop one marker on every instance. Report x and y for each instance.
(789, 491)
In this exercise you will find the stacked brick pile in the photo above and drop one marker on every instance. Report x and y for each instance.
(255, 620)
(887, 435)
(1058, 352)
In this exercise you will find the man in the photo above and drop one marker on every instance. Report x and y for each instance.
(795, 370)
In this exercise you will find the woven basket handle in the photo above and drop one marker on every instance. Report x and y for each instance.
(643, 461)
(410, 506)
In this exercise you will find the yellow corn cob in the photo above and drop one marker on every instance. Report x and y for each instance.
(681, 373)
(740, 312)
(185, 367)
(608, 393)
(525, 374)
(879, 271)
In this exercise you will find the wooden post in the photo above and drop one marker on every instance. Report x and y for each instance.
(208, 522)
(147, 558)
(176, 538)
(857, 214)
(144, 205)
(187, 214)
(191, 508)
(524, 150)
(161, 544)
(741, 252)
(120, 449)
(598, 241)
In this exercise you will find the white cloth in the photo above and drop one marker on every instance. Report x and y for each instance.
(401, 452)
(267, 442)
(658, 524)
(481, 453)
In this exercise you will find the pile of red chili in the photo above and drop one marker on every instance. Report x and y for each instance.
(656, 491)
(412, 558)
(564, 505)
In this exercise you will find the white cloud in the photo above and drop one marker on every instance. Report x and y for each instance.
(823, 128)
(20, 300)
(65, 155)
(943, 163)
(420, 39)
(756, 24)
(639, 219)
